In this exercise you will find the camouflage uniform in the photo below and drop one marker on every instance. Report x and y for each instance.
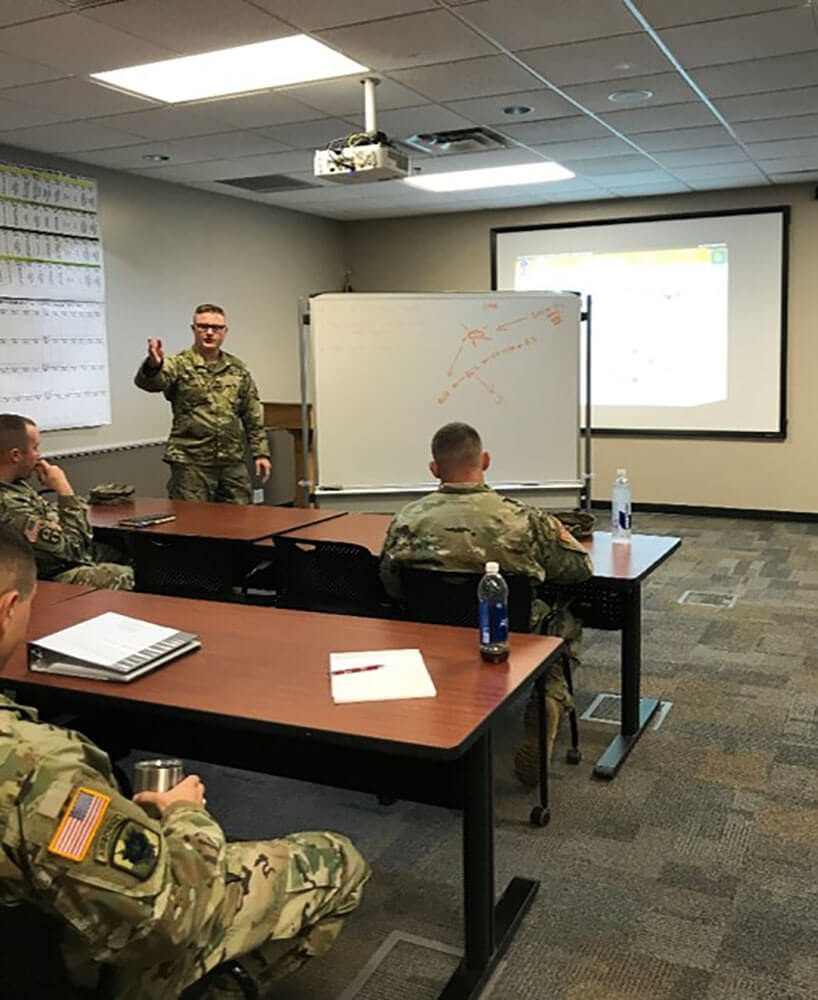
(462, 526)
(216, 414)
(159, 902)
(61, 538)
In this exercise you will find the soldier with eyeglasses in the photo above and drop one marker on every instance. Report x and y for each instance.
(217, 414)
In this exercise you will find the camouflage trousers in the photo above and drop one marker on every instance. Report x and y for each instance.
(285, 902)
(213, 483)
(109, 571)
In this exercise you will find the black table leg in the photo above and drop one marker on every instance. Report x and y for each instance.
(487, 929)
(636, 711)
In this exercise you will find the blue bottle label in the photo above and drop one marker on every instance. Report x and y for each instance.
(624, 518)
(493, 622)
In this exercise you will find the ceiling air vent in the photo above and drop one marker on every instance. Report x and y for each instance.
(461, 140)
(268, 183)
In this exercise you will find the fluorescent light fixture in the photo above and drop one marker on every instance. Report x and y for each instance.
(277, 63)
(489, 177)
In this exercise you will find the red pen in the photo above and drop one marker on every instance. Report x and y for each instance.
(357, 670)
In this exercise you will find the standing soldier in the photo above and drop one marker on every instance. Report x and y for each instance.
(59, 532)
(216, 414)
(148, 905)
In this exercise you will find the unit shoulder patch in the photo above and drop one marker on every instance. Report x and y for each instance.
(135, 850)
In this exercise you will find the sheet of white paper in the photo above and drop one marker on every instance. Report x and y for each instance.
(106, 639)
(401, 673)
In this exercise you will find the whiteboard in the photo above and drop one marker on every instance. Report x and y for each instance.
(389, 369)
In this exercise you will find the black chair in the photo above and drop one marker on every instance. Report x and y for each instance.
(184, 567)
(335, 577)
(443, 597)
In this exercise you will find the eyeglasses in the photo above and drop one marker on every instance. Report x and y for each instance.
(215, 327)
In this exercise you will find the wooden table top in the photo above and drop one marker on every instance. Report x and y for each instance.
(231, 521)
(269, 668)
(368, 530)
(49, 592)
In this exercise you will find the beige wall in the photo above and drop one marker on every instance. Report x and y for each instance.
(168, 247)
(451, 252)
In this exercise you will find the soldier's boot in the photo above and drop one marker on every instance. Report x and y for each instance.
(527, 755)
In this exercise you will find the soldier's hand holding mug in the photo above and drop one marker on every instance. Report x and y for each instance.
(189, 789)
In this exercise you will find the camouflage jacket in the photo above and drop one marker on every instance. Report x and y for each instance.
(462, 526)
(216, 408)
(129, 890)
(59, 532)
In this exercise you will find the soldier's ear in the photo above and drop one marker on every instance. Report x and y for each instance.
(8, 603)
(485, 461)
(434, 468)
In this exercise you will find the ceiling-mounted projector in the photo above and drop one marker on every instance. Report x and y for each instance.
(363, 157)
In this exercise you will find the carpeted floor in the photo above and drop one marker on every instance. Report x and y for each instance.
(692, 876)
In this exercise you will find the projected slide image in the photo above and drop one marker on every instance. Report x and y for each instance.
(660, 320)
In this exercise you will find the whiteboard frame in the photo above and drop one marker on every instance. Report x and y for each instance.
(315, 491)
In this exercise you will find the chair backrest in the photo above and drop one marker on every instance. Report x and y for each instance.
(442, 597)
(337, 577)
(186, 567)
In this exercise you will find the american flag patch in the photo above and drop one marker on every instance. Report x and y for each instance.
(78, 826)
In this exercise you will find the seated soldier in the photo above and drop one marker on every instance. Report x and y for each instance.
(159, 901)
(59, 532)
(465, 524)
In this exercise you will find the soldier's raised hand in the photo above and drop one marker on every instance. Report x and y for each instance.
(53, 478)
(155, 354)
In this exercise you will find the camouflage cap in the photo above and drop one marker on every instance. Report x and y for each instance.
(111, 493)
(579, 522)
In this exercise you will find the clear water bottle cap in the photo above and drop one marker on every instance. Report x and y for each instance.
(621, 473)
(492, 567)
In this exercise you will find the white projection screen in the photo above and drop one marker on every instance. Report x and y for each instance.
(688, 332)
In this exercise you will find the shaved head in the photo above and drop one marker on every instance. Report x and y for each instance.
(457, 450)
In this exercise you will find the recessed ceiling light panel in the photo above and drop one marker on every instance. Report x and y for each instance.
(489, 177)
(276, 63)
(517, 110)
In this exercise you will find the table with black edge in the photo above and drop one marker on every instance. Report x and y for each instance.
(612, 599)
(238, 702)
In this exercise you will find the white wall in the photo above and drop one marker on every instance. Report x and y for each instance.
(433, 253)
(168, 248)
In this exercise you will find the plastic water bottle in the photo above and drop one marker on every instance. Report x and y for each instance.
(621, 507)
(492, 596)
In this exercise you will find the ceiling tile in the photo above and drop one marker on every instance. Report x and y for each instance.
(312, 15)
(524, 24)
(310, 135)
(14, 11)
(606, 59)
(735, 38)
(584, 149)
(671, 116)
(427, 118)
(794, 176)
(245, 166)
(687, 138)
(544, 103)
(15, 115)
(476, 161)
(667, 88)
(412, 40)
(345, 96)
(754, 76)
(785, 147)
(778, 128)
(665, 13)
(191, 26)
(554, 129)
(791, 165)
(128, 157)
(725, 171)
(467, 78)
(630, 178)
(255, 110)
(164, 123)
(699, 157)
(601, 165)
(14, 71)
(78, 98)
(68, 137)
(785, 103)
(631, 187)
(77, 45)
(727, 183)
(224, 146)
